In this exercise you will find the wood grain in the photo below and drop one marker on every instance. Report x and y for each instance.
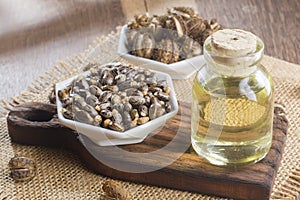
(35, 124)
(35, 35)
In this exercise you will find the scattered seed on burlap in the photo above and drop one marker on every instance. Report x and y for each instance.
(22, 168)
(115, 190)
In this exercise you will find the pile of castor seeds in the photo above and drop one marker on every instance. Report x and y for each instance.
(116, 96)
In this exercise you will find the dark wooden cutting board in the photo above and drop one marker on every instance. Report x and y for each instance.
(36, 124)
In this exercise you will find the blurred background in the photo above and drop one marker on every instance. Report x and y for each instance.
(35, 34)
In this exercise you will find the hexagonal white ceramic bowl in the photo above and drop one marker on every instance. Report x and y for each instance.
(105, 137)
(180, 70)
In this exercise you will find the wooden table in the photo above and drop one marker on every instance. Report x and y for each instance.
(34, 35)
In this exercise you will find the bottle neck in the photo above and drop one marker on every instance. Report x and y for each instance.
(233, 66)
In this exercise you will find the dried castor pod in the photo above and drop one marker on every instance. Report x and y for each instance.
(143, 45)
(139, 22)
(185, 12)
(167, 52)
(191, 48)
(169, 24)
(205, 35)
(115, 190)
(156, 28)
(130, 35)
(195, 27)
(178, 24)
(22, 168)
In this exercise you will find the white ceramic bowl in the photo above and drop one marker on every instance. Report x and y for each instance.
(180, 70)
(105, 137)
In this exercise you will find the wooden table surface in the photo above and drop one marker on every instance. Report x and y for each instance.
(35, 35)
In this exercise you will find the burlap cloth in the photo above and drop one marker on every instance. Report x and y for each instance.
(61, 175)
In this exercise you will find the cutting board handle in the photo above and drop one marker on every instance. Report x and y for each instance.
(36, 123)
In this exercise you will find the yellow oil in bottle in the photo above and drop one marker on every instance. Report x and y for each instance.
(232, 117)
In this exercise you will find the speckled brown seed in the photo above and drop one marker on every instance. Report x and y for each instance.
(115, 190)
(22, 168)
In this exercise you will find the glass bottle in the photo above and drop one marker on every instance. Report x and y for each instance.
(232, 108)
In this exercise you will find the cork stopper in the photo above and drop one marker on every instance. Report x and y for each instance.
(233, 52)
(233, 43)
